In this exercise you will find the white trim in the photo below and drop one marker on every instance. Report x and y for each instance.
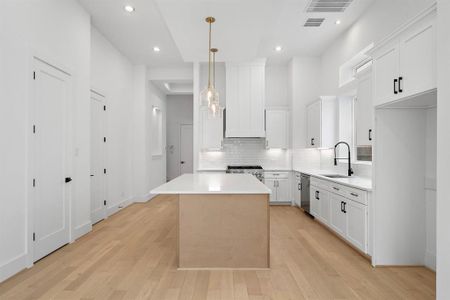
(144, 198)
(81, 230)
(430, 260)
(110, 210)
(13, 266)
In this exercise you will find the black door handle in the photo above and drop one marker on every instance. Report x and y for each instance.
(68, 179)
(395, 86)
(400, 90)
(344, 211)
(370, 134)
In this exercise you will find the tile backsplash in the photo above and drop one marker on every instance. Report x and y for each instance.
(245, 151)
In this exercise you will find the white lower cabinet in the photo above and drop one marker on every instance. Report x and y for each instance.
(332, 206)
(338, 218)
(278, 183)
(356, 224)
(314, 203)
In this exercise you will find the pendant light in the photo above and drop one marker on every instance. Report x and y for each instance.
(209, 94)
(214, 109)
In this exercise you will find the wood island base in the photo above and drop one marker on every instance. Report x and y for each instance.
(223, 231)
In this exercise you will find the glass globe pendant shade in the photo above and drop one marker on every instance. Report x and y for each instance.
(207, 95)
(214, 108)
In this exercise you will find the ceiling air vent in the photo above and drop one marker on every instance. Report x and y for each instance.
(328, 6)
(314, 22)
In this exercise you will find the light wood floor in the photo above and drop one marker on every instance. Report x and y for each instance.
(131, 255)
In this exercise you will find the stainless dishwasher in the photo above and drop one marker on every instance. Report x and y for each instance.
(305, 179)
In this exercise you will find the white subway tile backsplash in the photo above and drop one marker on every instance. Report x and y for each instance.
(242, 151)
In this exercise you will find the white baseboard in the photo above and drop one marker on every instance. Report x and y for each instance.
(13, 267)
(116, 207)
(430, 260)
(144, 198)
(81, 230)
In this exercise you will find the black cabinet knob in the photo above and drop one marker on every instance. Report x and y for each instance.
(68, 179)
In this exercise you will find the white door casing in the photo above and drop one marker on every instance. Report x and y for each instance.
(186, 149)
(98, 157)
(49, 158)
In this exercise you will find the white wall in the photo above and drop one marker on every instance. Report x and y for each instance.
(156, 165)
(443, 146)
(179, 111)
(430, 186)
(28, 28)
(303, 89)
(112, 75)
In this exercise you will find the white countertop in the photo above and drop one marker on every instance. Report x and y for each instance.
(353, 181)
(214, 183)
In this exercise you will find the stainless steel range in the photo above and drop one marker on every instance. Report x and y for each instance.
(256, 171)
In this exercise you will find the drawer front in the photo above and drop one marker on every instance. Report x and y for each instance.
(356, 195)
(323, 184)
(277, 175)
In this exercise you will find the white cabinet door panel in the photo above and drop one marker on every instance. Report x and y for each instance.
(337, 216)
(356, 224)
(385, 71)
(364, 112)
(314, 201)
(324, 201)
(283, 194)
(313, 125)
(272, 185)
(277, 129)
(418, 60)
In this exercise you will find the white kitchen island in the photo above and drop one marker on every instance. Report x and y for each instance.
(223, 220)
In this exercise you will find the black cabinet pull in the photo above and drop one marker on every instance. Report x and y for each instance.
(68, 179)
(395, 86)
(312, 142)
(400, 90)
(299, 186)
(344, 211)
(370, 134)
(342, 206)
(317, 195)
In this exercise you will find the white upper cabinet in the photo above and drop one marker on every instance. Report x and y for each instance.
(211, 131)
(405, 64)
(364, 112)
(277, 128)
(322, 123)
(245, 90)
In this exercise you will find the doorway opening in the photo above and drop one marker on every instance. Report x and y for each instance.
(179, 135)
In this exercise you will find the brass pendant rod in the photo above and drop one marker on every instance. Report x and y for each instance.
(210, 20)
(214, 51)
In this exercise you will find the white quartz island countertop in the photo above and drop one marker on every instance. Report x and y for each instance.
(213, 184)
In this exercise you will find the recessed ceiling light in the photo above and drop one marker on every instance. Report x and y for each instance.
(278, 48)
(156, 49)
(129, 8)
(338, 22)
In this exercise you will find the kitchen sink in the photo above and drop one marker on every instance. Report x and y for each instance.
(334, 176)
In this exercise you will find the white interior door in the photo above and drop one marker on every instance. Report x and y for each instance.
(186, 149)
(98, 158)
(50, 163)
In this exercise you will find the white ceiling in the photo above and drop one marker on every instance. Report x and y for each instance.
(245, 29)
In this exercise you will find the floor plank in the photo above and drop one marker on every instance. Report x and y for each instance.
(132, 255)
